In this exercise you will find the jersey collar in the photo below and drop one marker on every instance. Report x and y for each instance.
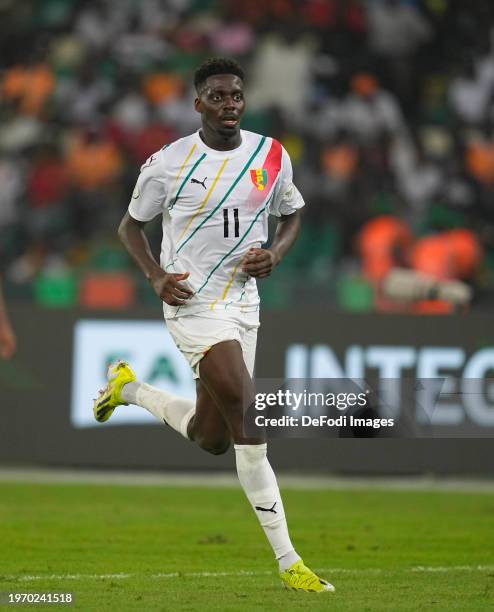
(202, 146)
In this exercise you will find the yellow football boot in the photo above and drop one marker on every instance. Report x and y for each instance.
(300, 578)
(119, 374)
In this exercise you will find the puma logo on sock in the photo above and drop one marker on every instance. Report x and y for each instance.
(268, 509)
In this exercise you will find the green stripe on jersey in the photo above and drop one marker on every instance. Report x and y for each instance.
(186, 179)
(244, 169)
(237, 245)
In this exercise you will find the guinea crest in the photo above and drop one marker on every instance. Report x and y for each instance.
(259, 177)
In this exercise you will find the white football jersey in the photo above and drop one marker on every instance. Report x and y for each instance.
(215, 207)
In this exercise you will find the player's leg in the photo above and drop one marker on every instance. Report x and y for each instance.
(226, 376)
(198, 420)
(207, 427)
(123, 388)
(170, 409)
(219, 411)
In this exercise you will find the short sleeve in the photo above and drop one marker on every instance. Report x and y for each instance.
(287, 198)
(150, 190)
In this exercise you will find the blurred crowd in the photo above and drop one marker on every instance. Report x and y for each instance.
(385, 106)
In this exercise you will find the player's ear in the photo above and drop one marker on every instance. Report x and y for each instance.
(198, 105)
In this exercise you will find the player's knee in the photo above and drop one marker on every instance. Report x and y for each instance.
(215, 446)
(219, 449)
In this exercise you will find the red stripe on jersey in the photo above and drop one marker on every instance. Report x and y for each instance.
(272, 164)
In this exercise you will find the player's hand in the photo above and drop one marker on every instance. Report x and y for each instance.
(259, 262)
(169, 288)
(8, 342)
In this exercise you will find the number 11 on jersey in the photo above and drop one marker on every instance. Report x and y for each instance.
(226, 212)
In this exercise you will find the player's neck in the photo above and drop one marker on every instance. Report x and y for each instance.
(214, 140)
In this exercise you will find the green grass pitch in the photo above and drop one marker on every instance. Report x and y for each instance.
(119, 547)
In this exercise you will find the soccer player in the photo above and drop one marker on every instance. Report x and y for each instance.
(215, 190)
(8, 342)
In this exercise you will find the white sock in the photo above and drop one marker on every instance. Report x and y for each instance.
(174, 410)
(259, 483)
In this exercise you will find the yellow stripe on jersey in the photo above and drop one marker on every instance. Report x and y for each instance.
(230, 282)
(204, 202)
(213, 304)
(183, 166)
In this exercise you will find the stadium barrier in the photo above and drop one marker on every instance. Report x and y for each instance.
(47, 390)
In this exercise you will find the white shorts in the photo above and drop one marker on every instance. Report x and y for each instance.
(195, 334)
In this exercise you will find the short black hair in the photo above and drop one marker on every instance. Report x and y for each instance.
(216, 65)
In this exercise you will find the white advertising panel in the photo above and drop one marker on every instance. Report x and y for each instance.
(149, 349)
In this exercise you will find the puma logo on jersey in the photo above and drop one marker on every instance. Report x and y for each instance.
(268, 509)
(203, 182)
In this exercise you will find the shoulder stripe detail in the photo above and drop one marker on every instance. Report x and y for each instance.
(189, 155)
(247, 231)
(244, 170)
(174, 201)
(204, 202)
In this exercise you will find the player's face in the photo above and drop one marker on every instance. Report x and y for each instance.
(221, 104)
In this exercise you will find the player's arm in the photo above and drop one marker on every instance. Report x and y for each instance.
(167, 286)
(261, 262)
(8, 342)
(146, 204)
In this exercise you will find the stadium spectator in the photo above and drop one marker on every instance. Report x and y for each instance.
(278, 61)
(368, 111)
(418, 178)
(11, 179)
(232, 37)
(384, 243)
(82, 98)
(451, 255)
(47, 188)
(8, 341)
(28, 87)
(479, 159)
(470, 94)
(397, 30)
(94, 163)
(387, 106)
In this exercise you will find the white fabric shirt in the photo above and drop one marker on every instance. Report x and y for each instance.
(215, 207)
(470, 98)
(369, 118)
(396, 30)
